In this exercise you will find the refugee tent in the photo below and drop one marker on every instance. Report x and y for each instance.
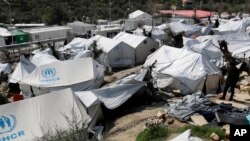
(43, 57)
(188, 30)
(156, 34)
(33, 118)
(22, 70)
(238, 43)
(75, 44)
(80, 74)
(115, 53)
(139, 15)
(143, 45)
(73, 48)
(233, 26)
(182, 69)
(5, 68)
(136, 18)
(207, 49)
(115, 94)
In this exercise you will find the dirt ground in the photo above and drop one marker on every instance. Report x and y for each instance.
(127, 126)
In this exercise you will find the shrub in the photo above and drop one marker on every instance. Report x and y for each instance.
(154, 132)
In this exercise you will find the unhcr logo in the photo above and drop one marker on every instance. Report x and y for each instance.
(7, 125)
(49, 72)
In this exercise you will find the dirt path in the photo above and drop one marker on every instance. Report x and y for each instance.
(126, 128)
(121, 74)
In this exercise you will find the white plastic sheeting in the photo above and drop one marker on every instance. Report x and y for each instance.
(43, 57)
(156, 33)
(188, 30)
(238, 43)
(234, 26)
(5, 68)
(23, 69)
(116, 54)
(189, 70)
(32, 118)
(206, 48)
(76, 43)
(114, 95)
(81, 74)
(4, 32)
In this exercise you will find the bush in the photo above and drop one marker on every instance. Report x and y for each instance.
(153, 133)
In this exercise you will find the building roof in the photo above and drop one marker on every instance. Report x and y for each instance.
(188, 13)
(78, 23)
(45, 29)
(17, 32)
(4, 32)
(130, 39)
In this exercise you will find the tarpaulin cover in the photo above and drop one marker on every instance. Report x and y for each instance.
(23, 69)
(178, 28)
(188, 67)
(6, 68)
(234, 26)
(34, 117)
(64, 73)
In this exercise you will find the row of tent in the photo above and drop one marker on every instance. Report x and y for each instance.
(123, 50)
(75, 83)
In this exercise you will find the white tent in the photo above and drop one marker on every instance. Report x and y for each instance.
(233, 26)
(139, 15)
(206, 48)
(182, 69)
(188, 30)
(156, 33)
(5, 68)
(43, 57)
(116, 54)
(238, 43)
(80, 74)
(117, 93)
(75, 44)
(33, 118)
(22, 70)
(143, 45)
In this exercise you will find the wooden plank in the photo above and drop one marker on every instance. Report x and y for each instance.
(199, 120)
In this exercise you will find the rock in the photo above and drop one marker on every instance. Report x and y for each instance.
(160, 115)
(170, 121)
(214, 137)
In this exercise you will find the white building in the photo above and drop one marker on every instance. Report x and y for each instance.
(143, 45)
(46, 33)
(81, 29)
(107, 30)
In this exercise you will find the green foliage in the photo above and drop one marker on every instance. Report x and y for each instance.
(203, 132)
(154, 132)
(76, 131)
(3, 99)
(61, 11)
